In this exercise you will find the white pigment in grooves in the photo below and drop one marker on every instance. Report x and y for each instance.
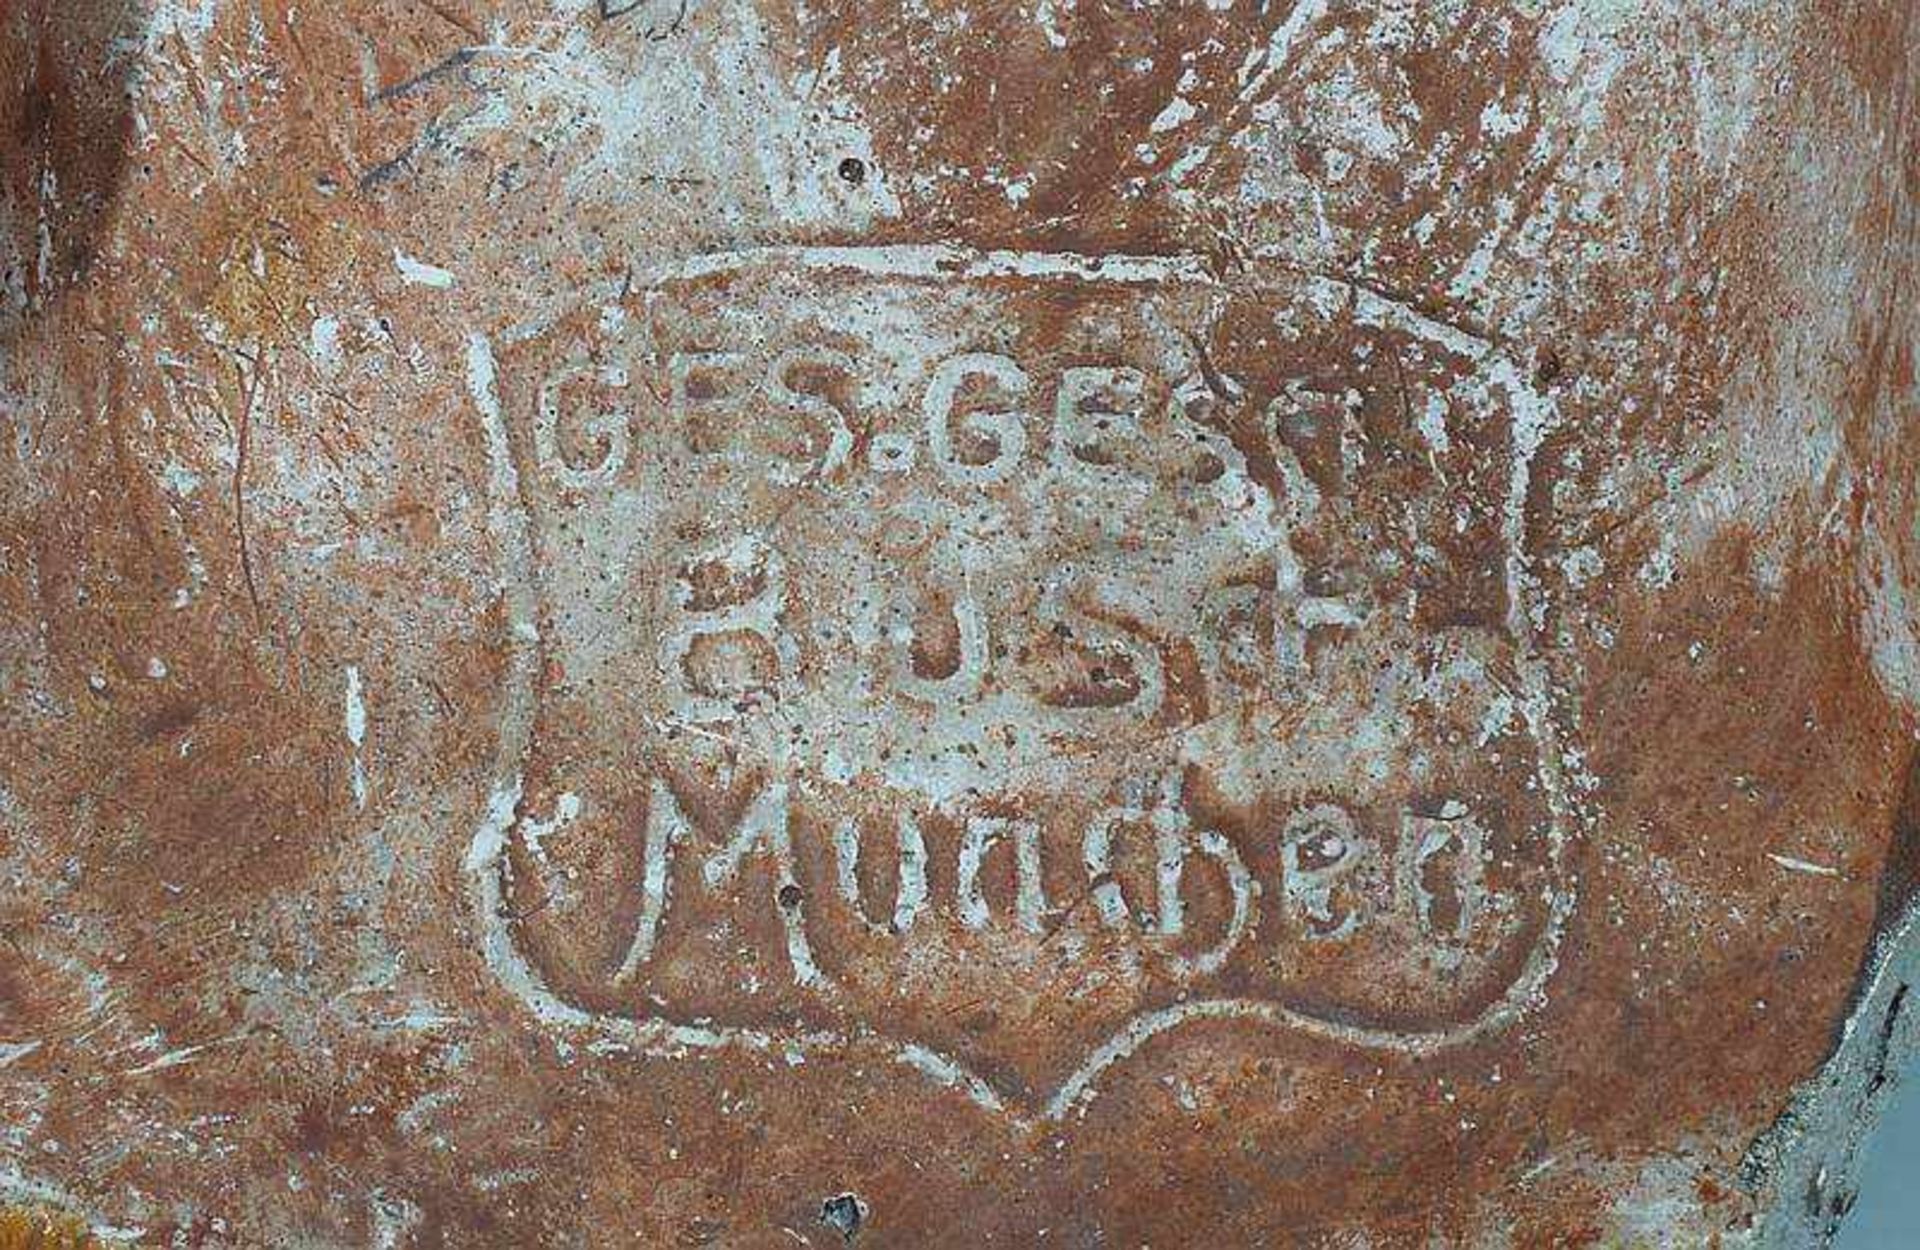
(486, 864)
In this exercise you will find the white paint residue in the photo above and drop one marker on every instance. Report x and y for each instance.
(189, 21)
(185, 1054)
(324, 343)
(394, 1219)
(480, 380)
(1581, 48)
(1279, 50)
(566, 809)
(357, 734)
(1179, 112)
(938, 260)
(180, 480)
(1043, 17)
(420, 273)
(944, 1071)
(1800, 865)
(1501, 716)
(775, 140)
(17, 1187)
(1471, 281)
(49, 198)
(1431, 421)
(1500, 122)
(1657, 572)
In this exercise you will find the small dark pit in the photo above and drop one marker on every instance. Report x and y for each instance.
(844, 1213)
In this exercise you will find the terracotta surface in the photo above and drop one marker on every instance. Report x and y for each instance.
(676, 623)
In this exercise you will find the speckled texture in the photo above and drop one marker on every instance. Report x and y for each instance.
(750, 624)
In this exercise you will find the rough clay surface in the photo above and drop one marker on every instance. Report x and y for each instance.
(697, 622)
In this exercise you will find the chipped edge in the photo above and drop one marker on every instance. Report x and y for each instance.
(1805, 1168)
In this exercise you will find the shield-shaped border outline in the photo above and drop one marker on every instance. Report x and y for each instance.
(509, 522)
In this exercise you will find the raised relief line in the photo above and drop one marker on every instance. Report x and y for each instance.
(938, 262)
(665, 826)
(1175, 841)
(765, 826)
(485, 857)
(983, 833)
(910, 893)
(947, 1072)
(1143, 1028)
(1541, 961)
(486, 854)
(506, 509)
(941, 261)
(1376, 308)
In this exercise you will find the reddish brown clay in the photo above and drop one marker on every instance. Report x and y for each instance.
(711, 622)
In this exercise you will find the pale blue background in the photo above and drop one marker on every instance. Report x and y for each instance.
(1888, 1215)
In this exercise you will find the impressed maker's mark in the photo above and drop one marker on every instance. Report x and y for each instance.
(1005, 658)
